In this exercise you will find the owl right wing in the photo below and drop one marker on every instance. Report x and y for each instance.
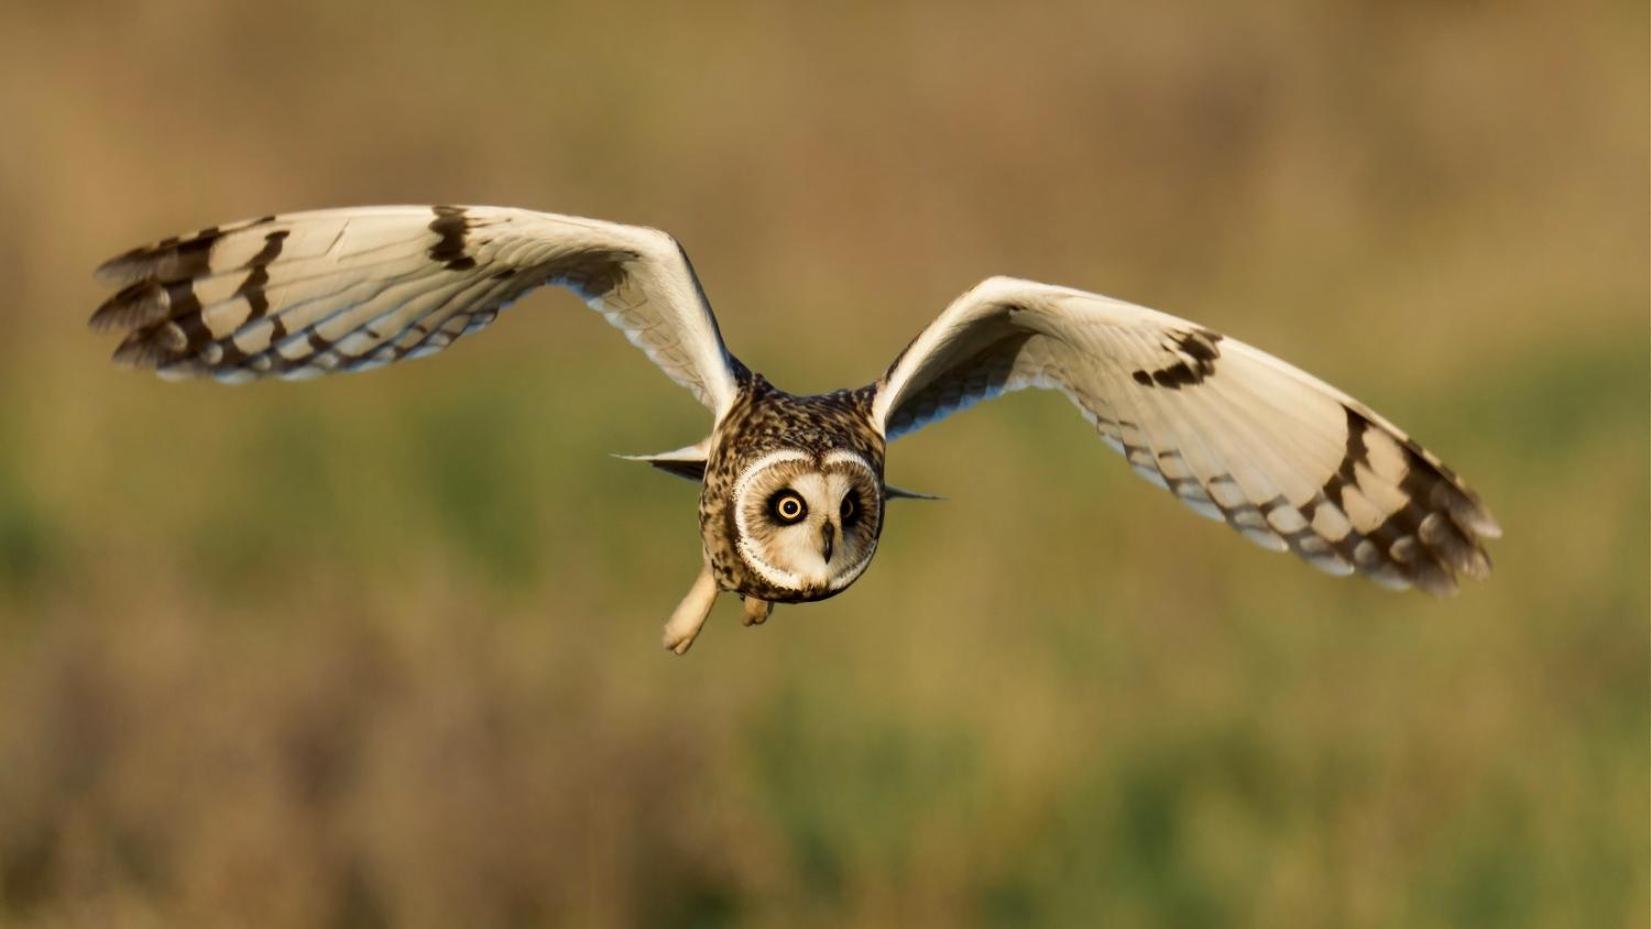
(304, 294)
(1238, 435)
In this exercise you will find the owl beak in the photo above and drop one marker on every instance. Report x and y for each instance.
(828, 535)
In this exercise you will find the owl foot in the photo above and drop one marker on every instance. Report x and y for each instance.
(690, 614)
(756, 611)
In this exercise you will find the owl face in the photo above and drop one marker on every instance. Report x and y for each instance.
(808, 524)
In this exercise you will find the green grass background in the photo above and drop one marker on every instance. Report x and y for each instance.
(383, 650)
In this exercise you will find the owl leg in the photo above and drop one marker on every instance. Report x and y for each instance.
(756, 611)
(690, 614)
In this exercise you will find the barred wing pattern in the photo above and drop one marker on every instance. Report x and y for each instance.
(1236, 434)
(304, 294)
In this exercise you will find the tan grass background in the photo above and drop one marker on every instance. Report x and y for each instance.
(383, 650)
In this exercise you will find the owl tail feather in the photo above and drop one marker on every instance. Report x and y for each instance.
(687, 462)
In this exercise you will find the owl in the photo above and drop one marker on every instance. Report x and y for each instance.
(792, 498)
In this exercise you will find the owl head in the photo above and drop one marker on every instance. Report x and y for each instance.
(808, 523)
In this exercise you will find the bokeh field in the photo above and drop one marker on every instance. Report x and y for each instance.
(384, 651)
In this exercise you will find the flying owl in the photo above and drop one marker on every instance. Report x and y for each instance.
(792, 498)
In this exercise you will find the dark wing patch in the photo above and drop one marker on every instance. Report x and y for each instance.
(1198, 351)
(450, 227)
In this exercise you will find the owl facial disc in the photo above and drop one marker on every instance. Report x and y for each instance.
(807, 524)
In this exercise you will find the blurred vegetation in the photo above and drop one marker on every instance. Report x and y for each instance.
(383, 650)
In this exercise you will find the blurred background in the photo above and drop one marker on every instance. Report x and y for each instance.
(384, 650)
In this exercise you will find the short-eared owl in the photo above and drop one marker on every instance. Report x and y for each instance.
(791, 487)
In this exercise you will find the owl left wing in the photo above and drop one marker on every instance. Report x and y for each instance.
(303, 294)
(1236, 434)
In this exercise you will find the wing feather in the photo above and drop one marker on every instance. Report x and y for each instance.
(1288, 461)
(303, 294)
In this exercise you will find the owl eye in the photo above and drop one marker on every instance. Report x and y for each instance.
(788, 507)
(850, 510)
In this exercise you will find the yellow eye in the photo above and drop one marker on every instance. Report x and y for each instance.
(787, 507)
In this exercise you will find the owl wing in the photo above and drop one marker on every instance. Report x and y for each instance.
(1236, 434)
(304, 294)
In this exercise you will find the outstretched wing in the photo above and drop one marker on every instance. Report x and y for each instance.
(304, 294)
(1236, 434)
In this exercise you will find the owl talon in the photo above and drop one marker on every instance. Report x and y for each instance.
(690, 614)
(756, 611)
